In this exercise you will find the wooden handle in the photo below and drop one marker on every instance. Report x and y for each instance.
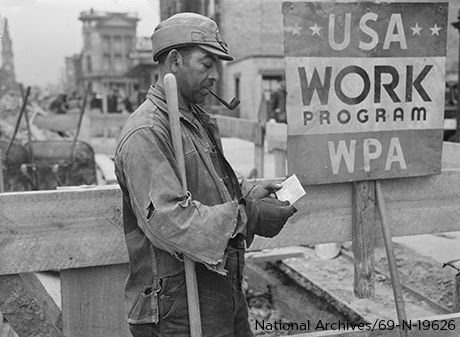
(170, 87)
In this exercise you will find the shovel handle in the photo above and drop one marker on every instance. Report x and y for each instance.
(170, 87)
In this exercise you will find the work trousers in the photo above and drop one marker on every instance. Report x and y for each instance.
(223, 307)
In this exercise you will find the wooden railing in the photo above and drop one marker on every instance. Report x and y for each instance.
(79, 232)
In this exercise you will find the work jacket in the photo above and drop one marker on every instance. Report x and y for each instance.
(161, 223)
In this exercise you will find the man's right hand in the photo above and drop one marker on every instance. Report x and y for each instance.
(266, 217)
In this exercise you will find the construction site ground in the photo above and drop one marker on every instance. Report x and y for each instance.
(420, 261)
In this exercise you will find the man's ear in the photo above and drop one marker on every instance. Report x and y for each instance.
(174, 60)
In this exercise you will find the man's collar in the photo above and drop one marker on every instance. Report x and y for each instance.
(157, 95)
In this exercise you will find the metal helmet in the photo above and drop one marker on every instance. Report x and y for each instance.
(185, 29)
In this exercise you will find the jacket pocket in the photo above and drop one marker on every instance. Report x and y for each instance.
(173, 297)
(145, 307)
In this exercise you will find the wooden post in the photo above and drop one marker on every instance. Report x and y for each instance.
(397, 289)
(456, 307)
(259, 149)
(27, 306)
(363, 223)
(2, 184)
(280, 163)
(93, 301)
(276, 137)
(259, 160)
(457, 132)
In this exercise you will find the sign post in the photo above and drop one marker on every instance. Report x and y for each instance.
(365, 102)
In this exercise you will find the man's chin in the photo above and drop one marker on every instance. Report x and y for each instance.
(200, 99)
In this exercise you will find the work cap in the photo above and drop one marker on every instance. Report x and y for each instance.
(185, 29)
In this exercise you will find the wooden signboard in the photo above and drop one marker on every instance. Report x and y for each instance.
(365, 85)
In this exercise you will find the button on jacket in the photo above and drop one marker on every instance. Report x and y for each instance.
(160, 222)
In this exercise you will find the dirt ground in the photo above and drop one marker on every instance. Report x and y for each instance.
(420, 276)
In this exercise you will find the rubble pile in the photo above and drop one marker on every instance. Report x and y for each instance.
(10, 107)
(41, 158)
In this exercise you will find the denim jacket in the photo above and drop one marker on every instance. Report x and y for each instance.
(160, 222)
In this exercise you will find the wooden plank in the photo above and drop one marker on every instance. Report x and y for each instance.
(53, 230)
(29, 309)
(421, 205)
(240, 128)
(64, 122)
(107, 125)
(93, 301)
(363, 229)
(112, 120)
(47, 230)
(273, 254)
(453, 319)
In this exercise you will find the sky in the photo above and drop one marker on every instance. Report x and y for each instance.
(44, 32)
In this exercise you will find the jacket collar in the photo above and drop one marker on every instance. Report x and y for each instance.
(157, 95)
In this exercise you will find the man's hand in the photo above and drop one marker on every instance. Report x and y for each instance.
(263, 190)
(266, 215)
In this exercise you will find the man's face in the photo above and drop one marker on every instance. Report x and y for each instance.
(196, 75)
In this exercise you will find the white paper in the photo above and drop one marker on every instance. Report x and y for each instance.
(291, 190)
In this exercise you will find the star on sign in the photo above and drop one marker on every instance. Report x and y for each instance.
(315, 29)
(296, 29)
(416, 30)
(435, 30)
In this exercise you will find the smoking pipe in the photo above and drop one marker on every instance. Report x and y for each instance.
(232, 105)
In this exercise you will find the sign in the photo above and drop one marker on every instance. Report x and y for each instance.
(365, 85)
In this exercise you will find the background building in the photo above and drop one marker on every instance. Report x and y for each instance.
(144, 70)
(109, 40)
(73, 72)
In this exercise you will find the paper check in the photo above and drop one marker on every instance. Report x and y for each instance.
(291, 190)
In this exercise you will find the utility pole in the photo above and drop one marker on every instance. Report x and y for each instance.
(457, 131)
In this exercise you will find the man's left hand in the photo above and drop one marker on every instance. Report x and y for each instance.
(263, 190)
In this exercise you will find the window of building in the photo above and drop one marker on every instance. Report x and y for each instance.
(194, 6)
(118, 64)
(117, 46)
(107, 64)
(106, 43)
(129, 43)
(89, 66)
(269, 85)
(237, 86)
(88, 39)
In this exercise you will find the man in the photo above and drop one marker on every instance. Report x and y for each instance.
(278, 103)
(213, 222)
